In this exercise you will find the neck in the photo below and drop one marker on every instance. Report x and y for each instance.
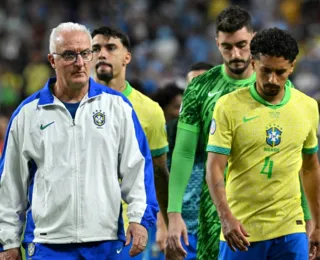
(246, 74)
(118, 84)
(69, 95)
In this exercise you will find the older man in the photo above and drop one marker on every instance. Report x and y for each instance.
(66, 149)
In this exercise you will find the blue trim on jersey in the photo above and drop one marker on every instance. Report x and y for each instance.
(15, 113)
(30, 226)
(95, 89)
(310, 150)
(217, 149)
(150, 215)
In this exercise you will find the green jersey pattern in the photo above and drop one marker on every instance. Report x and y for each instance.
(197, 107)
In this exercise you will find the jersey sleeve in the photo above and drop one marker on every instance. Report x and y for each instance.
(136, 172)
(220, 133)
(156, 133)
(310, 145)
(14, 176)
(189, 117)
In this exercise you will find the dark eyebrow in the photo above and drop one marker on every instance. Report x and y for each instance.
(237, 43)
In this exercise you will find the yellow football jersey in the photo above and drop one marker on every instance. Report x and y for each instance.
(264, 143)
(152, 120)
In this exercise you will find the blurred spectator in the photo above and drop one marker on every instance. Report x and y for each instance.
(35, 73)
(169, 99)
(166, 35)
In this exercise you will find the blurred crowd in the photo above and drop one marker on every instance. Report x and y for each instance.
(167, 36)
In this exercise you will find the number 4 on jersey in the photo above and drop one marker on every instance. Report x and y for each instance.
(267, 167)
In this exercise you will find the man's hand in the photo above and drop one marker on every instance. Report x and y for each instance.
(11, 254)
(314, 244)
(234, 233)
(176, 229)
(162, 233)
(140, 238)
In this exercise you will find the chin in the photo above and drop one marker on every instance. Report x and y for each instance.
(79, 83)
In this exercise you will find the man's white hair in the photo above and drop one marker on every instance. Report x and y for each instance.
(66, 27)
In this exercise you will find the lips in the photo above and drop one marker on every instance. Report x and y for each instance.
(103, 65)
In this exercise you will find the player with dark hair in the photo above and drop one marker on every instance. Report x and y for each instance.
(234, 34)
(111, 55)
(265, 133)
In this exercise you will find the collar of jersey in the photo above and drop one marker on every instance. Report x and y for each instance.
(248, 81)
(258, 98)
(127, 90)
(46, 97)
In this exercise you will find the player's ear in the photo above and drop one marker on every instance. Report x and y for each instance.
(253, 63)
(217, 42)
(293, 64)
(51, 61)
(127, 58)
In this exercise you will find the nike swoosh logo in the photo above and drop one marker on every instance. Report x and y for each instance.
(119, 250)
(42, 127)
(214, 93)
(246, 119)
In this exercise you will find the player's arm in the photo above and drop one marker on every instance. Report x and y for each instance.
(14, 178)
(157, 140)
(310, 175)
(181, 167)
(161, 178)
(219, 149)
(306, 210)
(233, 230)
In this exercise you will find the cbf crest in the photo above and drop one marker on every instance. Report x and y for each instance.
(31, 249)
(273, 135)
(99, 118)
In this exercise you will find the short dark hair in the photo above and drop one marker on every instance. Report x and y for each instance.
(113, 32)
(165, 95)
(233, 19)
(201, 66)
(274, 42)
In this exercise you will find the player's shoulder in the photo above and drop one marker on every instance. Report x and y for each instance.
(207, 78)
(139, 99)
(235, 96)
(302, 99)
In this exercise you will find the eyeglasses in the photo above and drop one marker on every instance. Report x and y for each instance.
(71, 56)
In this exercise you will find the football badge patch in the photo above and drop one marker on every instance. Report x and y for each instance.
(99, 118)
(273, 137)
(31, 249)
(213, 126)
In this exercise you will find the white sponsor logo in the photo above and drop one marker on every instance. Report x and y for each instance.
(119, 250)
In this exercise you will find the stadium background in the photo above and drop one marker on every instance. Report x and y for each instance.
(167, 36)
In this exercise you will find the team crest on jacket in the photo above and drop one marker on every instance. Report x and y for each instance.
(273, 136)
(99, 118)
(31, 249)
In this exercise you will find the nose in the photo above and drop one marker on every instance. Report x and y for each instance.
(103, 53)
(235, 53)
(273, 79)
(79, 60)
